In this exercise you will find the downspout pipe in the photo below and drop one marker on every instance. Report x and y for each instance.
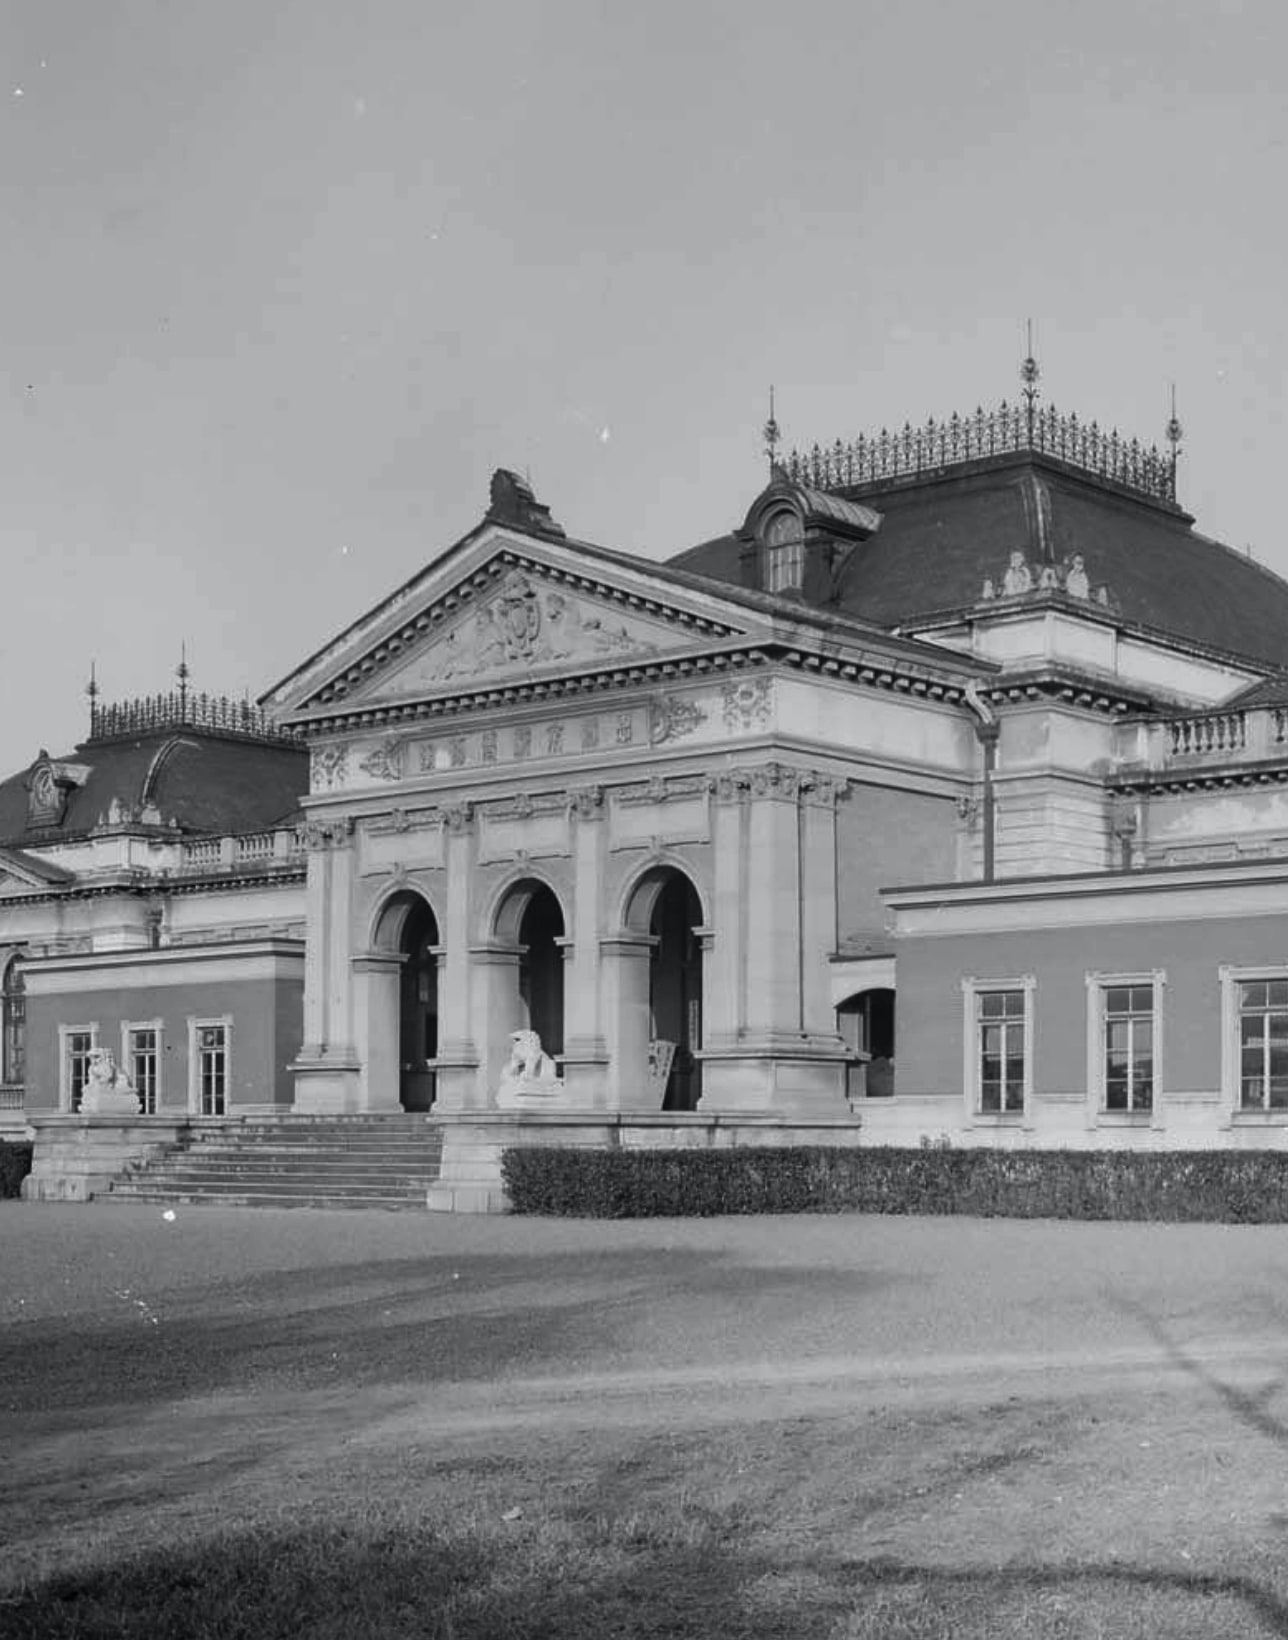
(987, 729)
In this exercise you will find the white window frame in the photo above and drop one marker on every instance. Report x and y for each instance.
(128, 1028)
(1098, 985)
(973, 988)
(1232, 1042)
(65, 1034)
(195, 1027)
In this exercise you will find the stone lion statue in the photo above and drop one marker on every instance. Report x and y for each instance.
(108, 1090)
(529, 1073)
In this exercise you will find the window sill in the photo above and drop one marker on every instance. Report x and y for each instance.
(998, 1118)
(1125, 1118)
(1259, 1118)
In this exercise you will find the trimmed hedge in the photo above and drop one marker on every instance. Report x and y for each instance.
(1221, 1186)
(15, 1164)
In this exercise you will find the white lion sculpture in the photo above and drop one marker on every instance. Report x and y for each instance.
(529, 1073)
(108, 1090)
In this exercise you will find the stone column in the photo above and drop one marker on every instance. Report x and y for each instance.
(625, 966)
(585, 1055)
(784, 1056)
(377, 979)
(495, 1001)
(459, 1085)
(327, 1070)
(725, 953)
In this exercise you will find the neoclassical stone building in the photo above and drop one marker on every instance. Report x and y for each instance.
(943, 795)
(557, 788)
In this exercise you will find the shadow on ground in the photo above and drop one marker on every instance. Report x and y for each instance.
(428, 1320)
(632, 1578)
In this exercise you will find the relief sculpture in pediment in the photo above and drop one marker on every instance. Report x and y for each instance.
(526, 624)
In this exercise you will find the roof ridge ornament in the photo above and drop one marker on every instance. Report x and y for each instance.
(1173, 433)
(1029, 375)
(772, 434)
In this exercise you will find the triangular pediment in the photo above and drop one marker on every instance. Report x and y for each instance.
(512, 611)
(22, 873)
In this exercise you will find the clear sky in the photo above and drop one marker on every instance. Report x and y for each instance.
(284, 280)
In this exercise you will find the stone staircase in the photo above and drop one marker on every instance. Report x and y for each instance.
(294, 1161)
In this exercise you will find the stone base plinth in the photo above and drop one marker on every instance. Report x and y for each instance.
(328, 1085)
(76, 1157)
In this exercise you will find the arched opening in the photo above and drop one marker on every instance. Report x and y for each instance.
(541, 967)
(666, 906)
(409, 927)
(13, 1021)
(865, 1022)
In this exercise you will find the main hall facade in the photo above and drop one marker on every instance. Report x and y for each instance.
(943, 796)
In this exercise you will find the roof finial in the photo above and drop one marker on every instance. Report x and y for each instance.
(183, 674)
(91, 689)
(1029, 374)
(1173, 433)
(772, 434)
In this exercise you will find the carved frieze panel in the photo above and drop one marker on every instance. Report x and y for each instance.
(528, 623)
(387, 760)
(674, 717)
(527, 742)
(748, 704)
(328, 767)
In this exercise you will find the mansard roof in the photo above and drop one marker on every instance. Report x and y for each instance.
(956, 500)
(173, 769)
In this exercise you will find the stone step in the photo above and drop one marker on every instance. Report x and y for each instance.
(266, 1198)
(384, 1162)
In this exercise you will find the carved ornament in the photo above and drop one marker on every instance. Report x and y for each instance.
(458, 817)
(748, 703)
(320, 835)
(586, 802)
(672, 717)
(328, 766)
(386, 761)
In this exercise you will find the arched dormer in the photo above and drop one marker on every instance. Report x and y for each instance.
(794, 540)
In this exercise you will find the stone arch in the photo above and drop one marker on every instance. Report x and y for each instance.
(640, 892)
(405, 934)
(390, 913)
(528, 919)
(13, 1017)
(865, 1021)
(664, 906)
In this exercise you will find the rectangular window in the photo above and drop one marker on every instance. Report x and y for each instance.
(78, 1045)
(142, 1064)
(998, 1066)
(1001, 1024)
(1263, 1044)
(212, 1069)
(1128, 1046)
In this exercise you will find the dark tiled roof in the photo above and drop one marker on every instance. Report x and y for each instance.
(942, 536)
(196, 781)
(1267, 692)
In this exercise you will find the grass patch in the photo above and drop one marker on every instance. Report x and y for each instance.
(639, 1575)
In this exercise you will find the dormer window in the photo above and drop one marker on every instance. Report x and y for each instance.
(784, 552)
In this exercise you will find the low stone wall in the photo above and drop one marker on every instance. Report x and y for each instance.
(470, 1178)
(77, 1157)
